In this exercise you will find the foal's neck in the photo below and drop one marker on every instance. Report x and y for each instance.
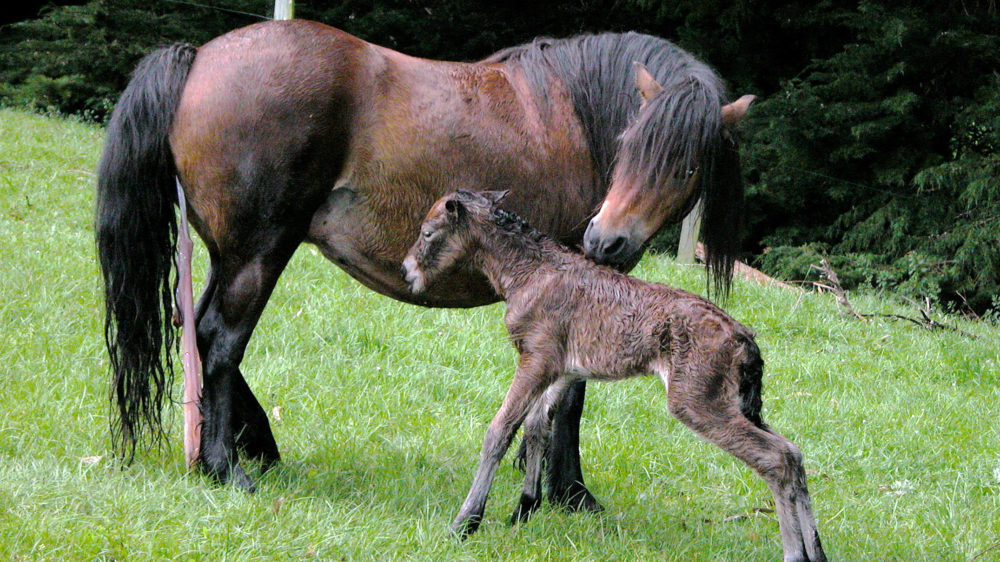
(511, 257)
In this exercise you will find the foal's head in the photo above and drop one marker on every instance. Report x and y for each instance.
(446, 235)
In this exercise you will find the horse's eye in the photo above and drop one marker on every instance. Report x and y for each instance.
(427, 234)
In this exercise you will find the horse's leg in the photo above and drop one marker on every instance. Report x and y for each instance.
(565, 476)
(524, 390)
(776, 459)
(231, 307)
(253, 435)
(535, 441)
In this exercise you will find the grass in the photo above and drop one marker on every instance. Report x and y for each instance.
(379, 409)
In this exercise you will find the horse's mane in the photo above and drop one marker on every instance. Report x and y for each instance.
(598, 73)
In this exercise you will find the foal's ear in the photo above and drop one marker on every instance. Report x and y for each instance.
(455, 208)
(495, 197)
(733, 113)
(644, 81)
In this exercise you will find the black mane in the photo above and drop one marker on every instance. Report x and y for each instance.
(598, 73)
(597, 70)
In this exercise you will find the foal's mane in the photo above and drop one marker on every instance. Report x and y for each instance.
(514, 224)
(598, 73)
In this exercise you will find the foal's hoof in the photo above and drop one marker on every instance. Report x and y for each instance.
(525, 508)
(521, 456)
(462, 527)
(576, 498)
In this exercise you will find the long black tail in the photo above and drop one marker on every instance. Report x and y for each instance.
(136, 234)
(751, 383)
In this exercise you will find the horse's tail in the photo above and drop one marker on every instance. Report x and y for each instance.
(751, 381)
(723, 214)
(136, 234)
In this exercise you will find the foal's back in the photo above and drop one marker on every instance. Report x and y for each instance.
(599, 323)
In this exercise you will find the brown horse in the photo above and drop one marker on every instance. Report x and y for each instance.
(571, 319)
(288, 132)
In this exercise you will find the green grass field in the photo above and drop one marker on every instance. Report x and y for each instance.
(379, 409)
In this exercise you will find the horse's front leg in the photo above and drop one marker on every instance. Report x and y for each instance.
(565, 475)
(528, 384)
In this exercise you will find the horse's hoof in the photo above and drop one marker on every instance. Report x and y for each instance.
(239, 479)
(576, 498)
(525, 508)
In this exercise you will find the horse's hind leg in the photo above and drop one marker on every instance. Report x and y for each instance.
(253, 436)
(234, 419)
(776, 459)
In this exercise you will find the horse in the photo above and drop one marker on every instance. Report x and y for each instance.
(291, 132)
(571, 319)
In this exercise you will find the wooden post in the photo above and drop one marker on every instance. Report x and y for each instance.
(284, 9)
(689, 235)
(189, 339)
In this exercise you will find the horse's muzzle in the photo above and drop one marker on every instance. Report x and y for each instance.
(615, 250)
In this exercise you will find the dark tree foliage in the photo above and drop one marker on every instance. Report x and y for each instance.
(875, 140)
(77, 59)
(886, 156)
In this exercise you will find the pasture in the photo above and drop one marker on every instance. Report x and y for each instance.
(379, 409)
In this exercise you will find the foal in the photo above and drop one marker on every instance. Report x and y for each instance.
(571, 319)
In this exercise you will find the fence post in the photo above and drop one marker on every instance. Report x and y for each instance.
(689, 234)
(284, 9)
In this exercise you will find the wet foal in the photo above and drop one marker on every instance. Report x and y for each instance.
(571, 319)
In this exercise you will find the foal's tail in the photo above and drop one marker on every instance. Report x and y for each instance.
(751, 382)
(136, 235)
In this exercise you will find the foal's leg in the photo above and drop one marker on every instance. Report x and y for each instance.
(524, 390)
(229, 318)
(776, 459)
(536, 439)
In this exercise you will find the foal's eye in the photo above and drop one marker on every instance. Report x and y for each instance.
(427, 234)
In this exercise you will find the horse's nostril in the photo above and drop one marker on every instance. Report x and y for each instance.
(614, 246)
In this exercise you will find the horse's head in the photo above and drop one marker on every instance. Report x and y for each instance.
(666, 156)
(446, 236)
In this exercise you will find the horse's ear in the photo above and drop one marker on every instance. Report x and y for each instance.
(733, 113)
(495, 197)
(644, 81)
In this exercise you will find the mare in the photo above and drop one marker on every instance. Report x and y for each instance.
(571, 319)
(287, 132)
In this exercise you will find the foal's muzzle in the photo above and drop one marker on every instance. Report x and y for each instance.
(412, 275)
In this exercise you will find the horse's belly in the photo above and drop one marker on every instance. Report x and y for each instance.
(347, 233)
